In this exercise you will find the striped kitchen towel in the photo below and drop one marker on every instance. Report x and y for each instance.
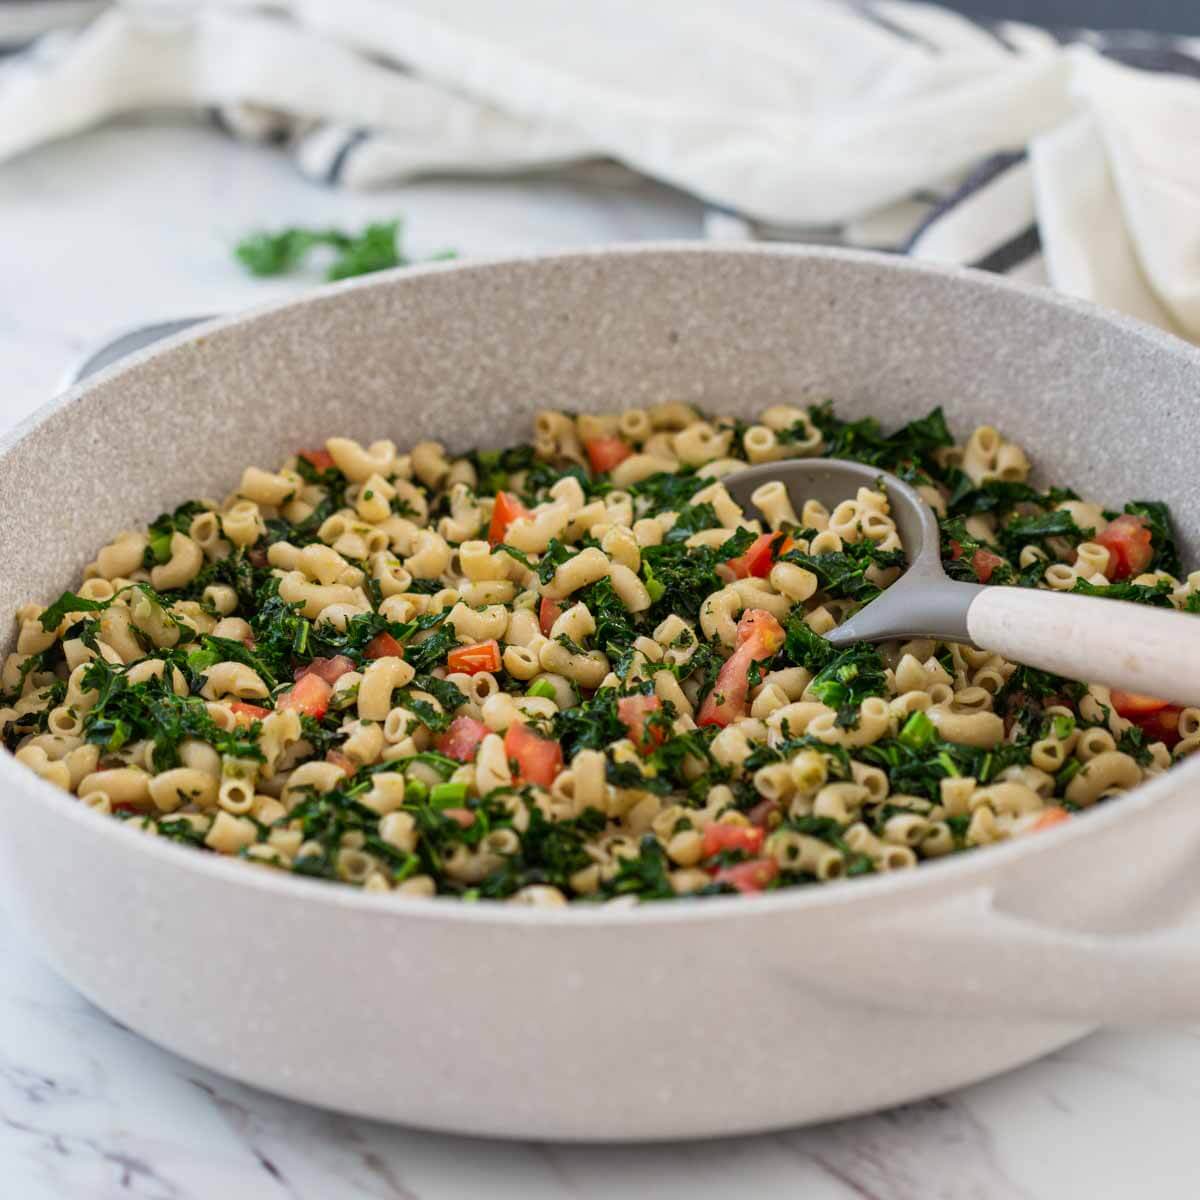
(1066, 157)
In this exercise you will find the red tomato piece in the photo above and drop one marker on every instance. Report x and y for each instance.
(245, 713)
(383, 645)
(955, 549)
(604, 453)
(257, 557)
(1156, 718)
(1134, 707)
(727, 700)
(461, 739)
(633, 711)
(1127, 540)
(321, 459)
(341, 760)
(760, 557)
(309, 695)
(548, 612)
(504, 512)
(328, 669)
(1051, 817)
(1163, 726)
(538, 759)
(480, 656)
(750, 876)
(759, 636)
(719, 836)
(984, 563)
(464, 818)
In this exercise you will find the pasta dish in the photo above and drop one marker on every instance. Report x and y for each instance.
(576, 669)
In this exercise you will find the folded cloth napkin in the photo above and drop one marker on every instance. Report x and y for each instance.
(1072, 158)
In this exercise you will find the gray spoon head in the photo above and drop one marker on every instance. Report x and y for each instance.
(924, 601)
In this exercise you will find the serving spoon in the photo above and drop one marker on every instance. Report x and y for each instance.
(1128, 646)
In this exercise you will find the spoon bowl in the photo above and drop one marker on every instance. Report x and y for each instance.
(1132, 647)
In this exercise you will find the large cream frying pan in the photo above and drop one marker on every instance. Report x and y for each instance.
(675, 1020)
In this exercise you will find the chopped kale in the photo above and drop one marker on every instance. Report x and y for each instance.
(693, 518)
(1158, 595)
(842, 574)
(1162, 537)
(849, 679)
(669, 493)
(913, 446)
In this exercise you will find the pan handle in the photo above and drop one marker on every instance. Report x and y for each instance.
(1007, 965)
(1102, 929)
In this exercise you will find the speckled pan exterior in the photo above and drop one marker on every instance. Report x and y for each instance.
(670, 1021)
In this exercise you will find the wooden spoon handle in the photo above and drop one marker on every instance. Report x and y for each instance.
(1152, 651)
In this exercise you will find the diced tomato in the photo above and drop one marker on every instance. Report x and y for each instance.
(1051, 817)
(538, 759)
(633, 711)
(383, 645)
(257, 557)
(321, 459)
(1163, 726)
(762, 813)
(309, 695)
(328, 669)
(761, 556)
(1134, 707)
(1127, 540)
(480, 656)
(1156, 718)
(760, 629)
(464, 818)
(759, 636)
(727, 700)
(125, 806)
(461, 739)
(246, 714)
(548, 612)
(341, 760)
(984, 563)
(604, 453)
(720, 836)
(504, 512)
(750, 876)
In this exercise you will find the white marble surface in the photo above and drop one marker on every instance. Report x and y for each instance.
(135, 224)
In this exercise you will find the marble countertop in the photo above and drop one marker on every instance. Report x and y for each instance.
(134, 224)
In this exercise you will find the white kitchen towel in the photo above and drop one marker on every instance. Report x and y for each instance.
(1073, 158)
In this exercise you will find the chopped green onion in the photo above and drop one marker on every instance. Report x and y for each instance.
(1068, 773)
(918, 731)
(947, 764)
(300, 640)
(410, 866)
(1064, 726)
(415, 790)
(543, 688)
(160, 546)
(447, 795)
(201, 660)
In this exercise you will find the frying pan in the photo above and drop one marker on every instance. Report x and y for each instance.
(686, 1019)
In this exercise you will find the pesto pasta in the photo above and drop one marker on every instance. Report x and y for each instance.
(576, 669)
